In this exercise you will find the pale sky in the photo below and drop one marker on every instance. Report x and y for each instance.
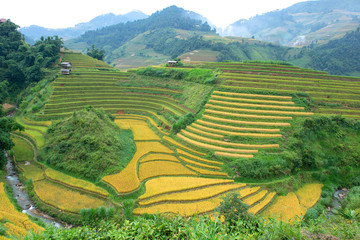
(67, 13)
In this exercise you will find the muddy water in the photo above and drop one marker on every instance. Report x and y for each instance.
(23, 199)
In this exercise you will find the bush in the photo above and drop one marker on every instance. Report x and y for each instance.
(184, 121)
(233, 209)
(205, 76)
(92, 216)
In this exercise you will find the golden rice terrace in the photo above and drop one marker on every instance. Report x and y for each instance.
(247, 111)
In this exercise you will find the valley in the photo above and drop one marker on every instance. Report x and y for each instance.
(165, 129)
(185, 173)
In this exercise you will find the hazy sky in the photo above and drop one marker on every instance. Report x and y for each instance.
(66, 13)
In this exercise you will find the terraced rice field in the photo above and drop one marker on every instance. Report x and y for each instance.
(154, 159)
(196, 195)
(238, 125)
(17, 224)
(127, 180)
(74, 183)
(95, 83)
(23, 150)
(177, 173)
(70, 201)
(323, 88)
(293, 206)
(32, 170)
(174, 177)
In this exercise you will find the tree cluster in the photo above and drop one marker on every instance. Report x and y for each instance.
(20, 63)
(339, 57)
(96, 53)
(319, 143)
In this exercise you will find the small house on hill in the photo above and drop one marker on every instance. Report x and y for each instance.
(172, 63)
(65, 71)
(66, 65)
(2, 20)
(65, 68)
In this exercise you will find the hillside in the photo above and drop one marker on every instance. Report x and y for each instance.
(201, 131)
(94, 146)
(36, 32)
(336, 57)
(22, 64)
(301, 24)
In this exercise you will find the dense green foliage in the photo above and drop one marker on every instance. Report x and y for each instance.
(182, 122)
(21, 64)
(325, 142)
(91, 216)
(318, 143)
(96, 53)
(233, 209)
(164, 227)
(88, 144)
(339, 56)
(192, 75)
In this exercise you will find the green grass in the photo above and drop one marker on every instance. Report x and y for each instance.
(22, 150)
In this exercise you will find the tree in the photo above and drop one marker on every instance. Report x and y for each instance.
(96, 53)
(21, 64)
(234, 209)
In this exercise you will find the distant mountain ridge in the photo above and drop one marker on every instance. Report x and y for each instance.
(171, 17)
(35, 32)
(302, 23)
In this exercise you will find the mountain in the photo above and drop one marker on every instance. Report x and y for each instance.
(175, 32)
(172, 17)
(302, 23)
(35, 32)
(159, 36)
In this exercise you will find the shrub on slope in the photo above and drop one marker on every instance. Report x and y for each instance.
(88, 144)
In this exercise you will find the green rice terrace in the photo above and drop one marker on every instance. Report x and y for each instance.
(197, 133)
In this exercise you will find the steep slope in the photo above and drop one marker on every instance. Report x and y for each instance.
(302, 23)
(35, 32)
(338, 56)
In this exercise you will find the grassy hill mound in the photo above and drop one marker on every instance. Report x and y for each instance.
(88, 144)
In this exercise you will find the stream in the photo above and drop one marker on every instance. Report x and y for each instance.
(23, 199)
(339, 198)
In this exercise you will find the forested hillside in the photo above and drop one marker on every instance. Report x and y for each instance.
(22, 64)
(114, 36)
(339, 57)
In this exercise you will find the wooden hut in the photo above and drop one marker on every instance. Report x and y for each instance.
(66, 65)
(65, 71)
(172, 63)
